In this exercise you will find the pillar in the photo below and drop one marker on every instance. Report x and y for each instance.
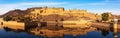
(115, 28)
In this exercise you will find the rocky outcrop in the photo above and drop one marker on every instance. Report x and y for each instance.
(15, 13)
(50, 14)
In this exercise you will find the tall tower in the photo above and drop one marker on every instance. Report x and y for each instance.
(115, 28)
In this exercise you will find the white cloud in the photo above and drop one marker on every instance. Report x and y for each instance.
(106, 0)
(47, 3)
(93, 4)
(6, 7)
(34, 3)
(113, 11)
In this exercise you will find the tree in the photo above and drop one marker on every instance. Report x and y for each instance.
(7, 18)
(23, 19)
(27, 19)
(105, 16)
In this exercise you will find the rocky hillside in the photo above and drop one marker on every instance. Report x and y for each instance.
(15, 13)
(48, 14)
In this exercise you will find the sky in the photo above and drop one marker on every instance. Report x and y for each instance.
(94, 6)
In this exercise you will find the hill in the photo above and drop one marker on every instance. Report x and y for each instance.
(49, 14)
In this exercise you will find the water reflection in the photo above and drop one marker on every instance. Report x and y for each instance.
(9, 29)
(104, 32)
(67, 32)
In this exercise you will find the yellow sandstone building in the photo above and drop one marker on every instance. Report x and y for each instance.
(67, 18)
(44, 11)
(74, 16)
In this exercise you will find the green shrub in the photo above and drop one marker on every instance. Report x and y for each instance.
(7, 18)
(105, 16)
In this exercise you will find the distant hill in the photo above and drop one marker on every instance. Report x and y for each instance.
(15, 12)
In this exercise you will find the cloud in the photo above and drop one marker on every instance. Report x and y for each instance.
(23, 5)
(106, 0)
(43, 3)
(113, 11)
(34, 3)
(93, 4)
(6, 7)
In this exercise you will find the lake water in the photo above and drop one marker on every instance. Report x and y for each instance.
(7, 33)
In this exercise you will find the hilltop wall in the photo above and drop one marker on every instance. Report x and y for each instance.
(51, 13)
(73, 13)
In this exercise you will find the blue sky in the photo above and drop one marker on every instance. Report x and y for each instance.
(95, 6)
